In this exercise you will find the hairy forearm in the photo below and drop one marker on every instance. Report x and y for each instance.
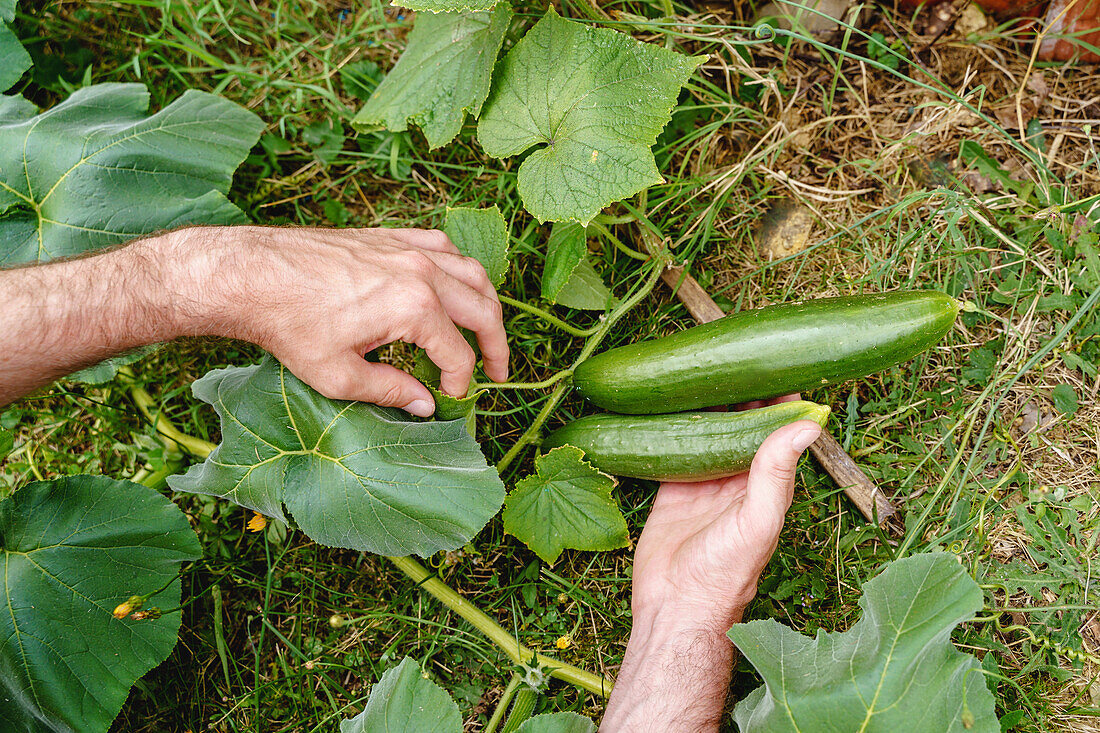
(674, 677)
(64, 316)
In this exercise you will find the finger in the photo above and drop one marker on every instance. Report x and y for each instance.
(354, 378)
(471, 309)
(770, 486)
(785, 398)
(437, 334)
(755, 404)
(466, 269)
(430, 239)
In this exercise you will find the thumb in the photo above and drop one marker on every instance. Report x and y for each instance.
(355, 378)
(770, 486)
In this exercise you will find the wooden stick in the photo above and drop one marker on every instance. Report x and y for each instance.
(863, 492)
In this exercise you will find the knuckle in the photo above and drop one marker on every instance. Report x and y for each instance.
(467, 359)
(335, 386)
(440, 237)
(783, 474)
(391, 395)
(495, 311)
(418, 297)
(418, 263)
(460, 357)
(476, 269)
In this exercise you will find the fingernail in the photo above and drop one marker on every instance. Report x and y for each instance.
(801, 441)
(420, 408)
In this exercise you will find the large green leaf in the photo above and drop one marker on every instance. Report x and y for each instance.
(404, 701)
(593, 101)
(14, 59)
(481, 234)
(443, 74)
(94, 170)
(72, 550)
(566, 503)
(894, 670)
(352, 474)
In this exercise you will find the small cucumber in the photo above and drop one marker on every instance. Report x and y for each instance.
(764, 353)
(684, 446)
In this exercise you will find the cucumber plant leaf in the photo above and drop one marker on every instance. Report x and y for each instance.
(106, 370)
(592, 102)
(73, 549)
(404, 701)
(14, 59)
(448, 6)
(447, 407)
(352, 474)
(557, 723)
(566, 249)
(585, 290)
(95, 170)
(568, 278)
(894, 669)
(566, 503)
(443, 74)
(481, 234)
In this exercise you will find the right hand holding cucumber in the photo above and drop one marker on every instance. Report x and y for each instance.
(696, 567)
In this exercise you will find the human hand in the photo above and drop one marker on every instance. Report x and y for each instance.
(320, 299)
(705, 544)
(695, 569)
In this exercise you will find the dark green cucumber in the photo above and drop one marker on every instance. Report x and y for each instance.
(684, 446)
(764, 353)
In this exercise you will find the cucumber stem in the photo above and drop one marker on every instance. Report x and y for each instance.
(629, 252)
(563, 374)
(502, 704)
(170, 435)
(548, 317)
(526, 698)
(506, 642)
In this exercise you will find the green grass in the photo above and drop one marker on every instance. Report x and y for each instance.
(941, 434)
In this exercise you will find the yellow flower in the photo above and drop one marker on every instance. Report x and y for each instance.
(132, 603)
(257, 523)
(564, 642)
